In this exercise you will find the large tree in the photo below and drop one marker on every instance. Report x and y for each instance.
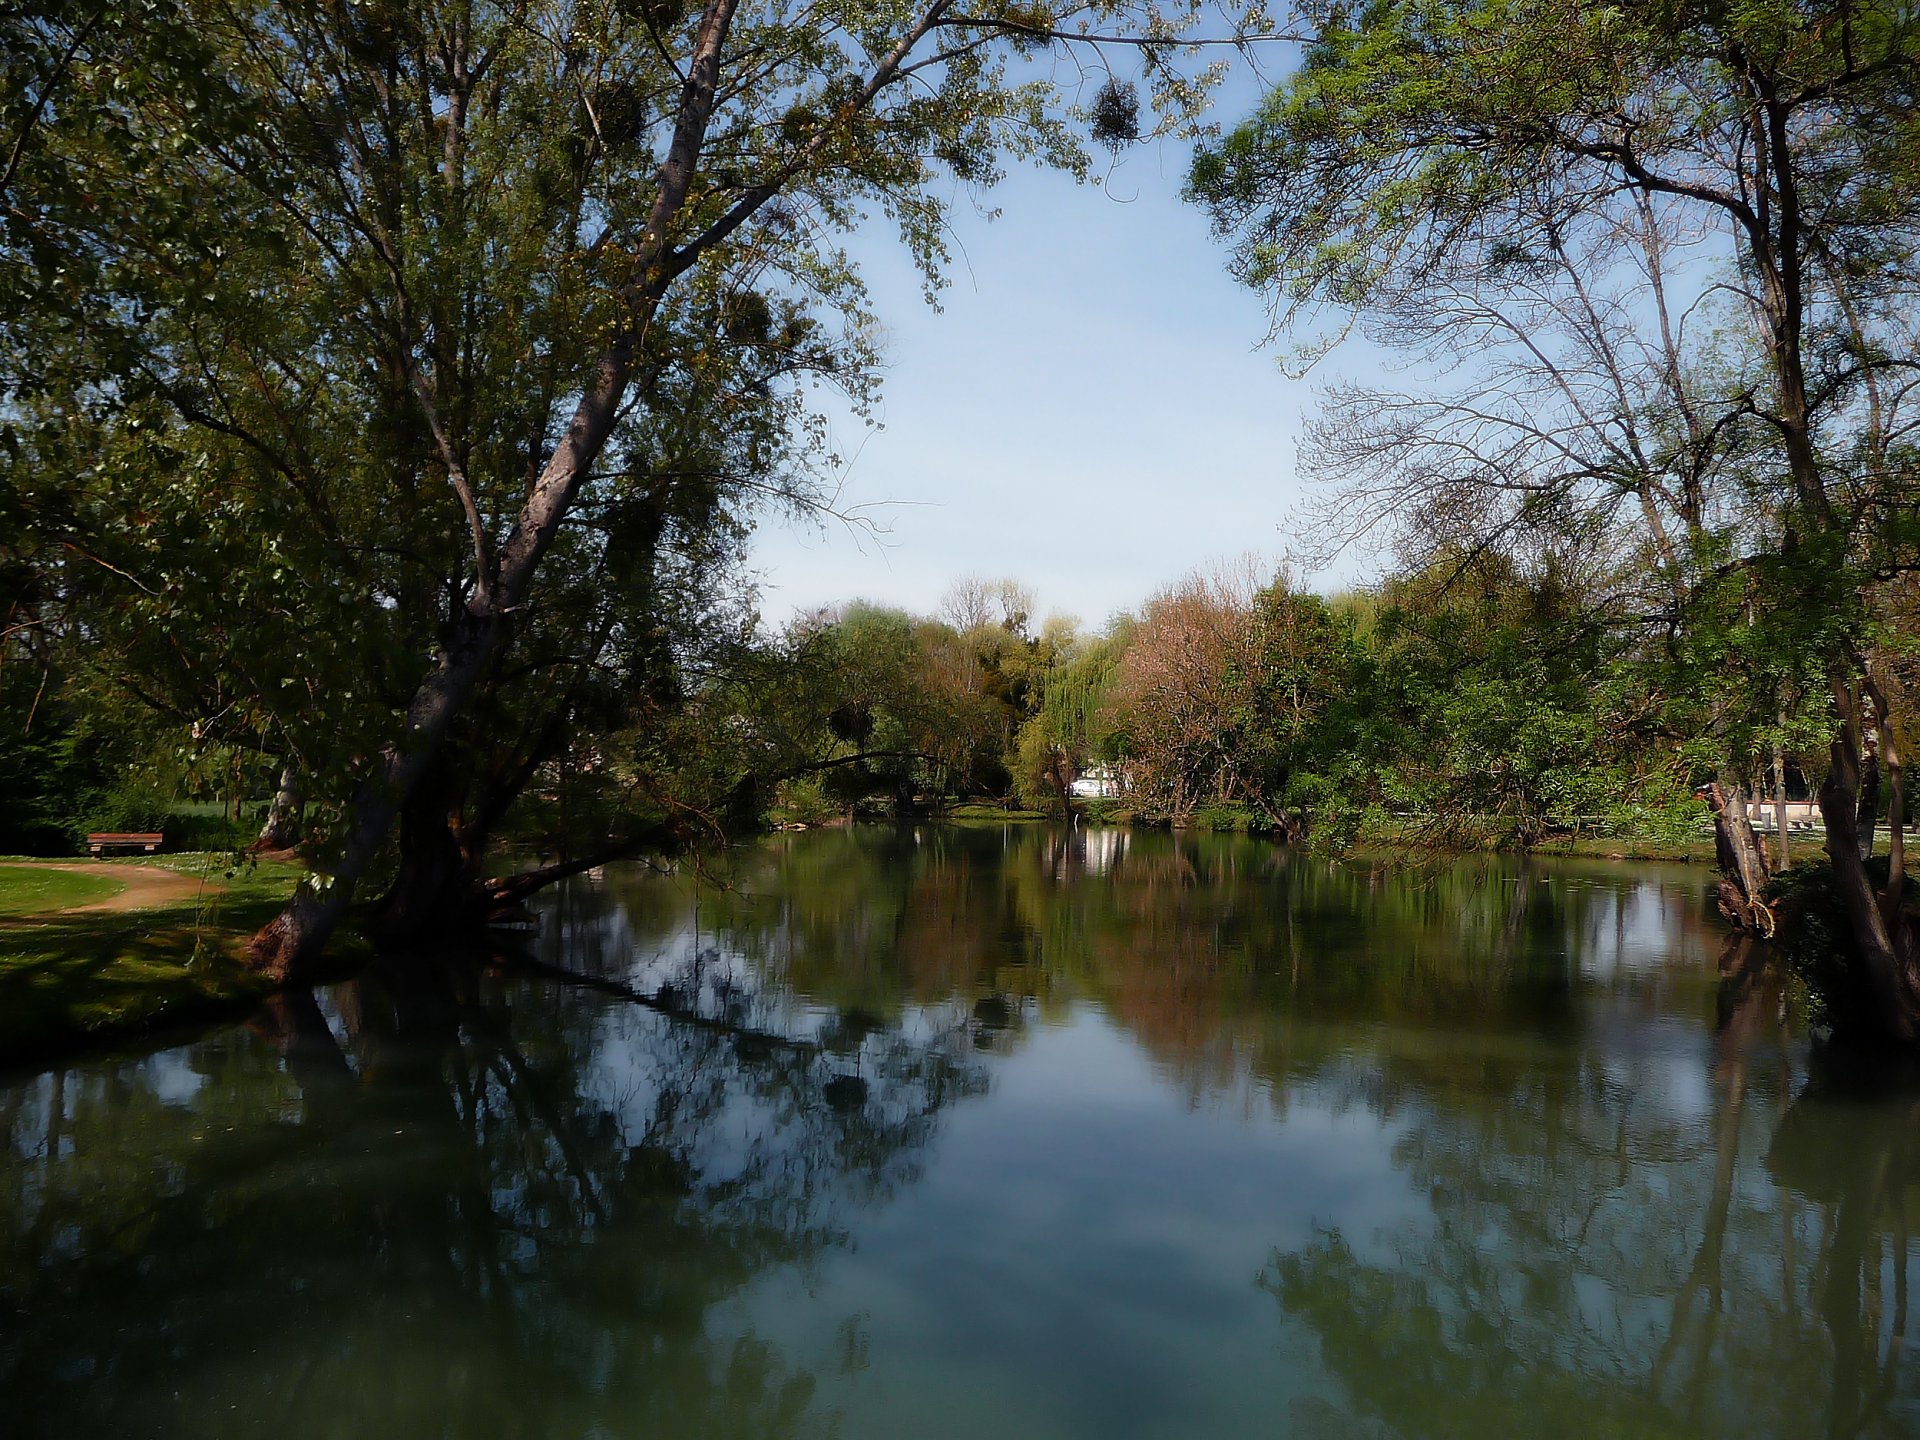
(1521, 176)
(333, 328)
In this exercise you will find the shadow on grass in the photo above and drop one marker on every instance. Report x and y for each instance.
(75, 979)
(82, 978)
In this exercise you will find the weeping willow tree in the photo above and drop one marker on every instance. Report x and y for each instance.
(1073, 727)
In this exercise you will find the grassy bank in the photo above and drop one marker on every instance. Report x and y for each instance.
(74, 972)
(1612, 848)
(989, 815)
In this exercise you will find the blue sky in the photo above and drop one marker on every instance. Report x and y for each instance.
(1091, 412)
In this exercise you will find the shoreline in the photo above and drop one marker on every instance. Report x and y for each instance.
(164, 952)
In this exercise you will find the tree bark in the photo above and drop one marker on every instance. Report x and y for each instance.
(1780, 807)
(281, 831)
(508, 890)
(1057, 770)
(1866, 813)
(435, 890)
(1894, 898)
(288, 948)
(1882, 950)
(1742, 863)
(1900, 925)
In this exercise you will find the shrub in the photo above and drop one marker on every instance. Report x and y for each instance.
(1819, 943)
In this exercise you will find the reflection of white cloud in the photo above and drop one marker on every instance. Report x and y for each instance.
(173, 1080)
(1660, 1066)
(1082, 1255)
(1682, 1087)
(1634, 929)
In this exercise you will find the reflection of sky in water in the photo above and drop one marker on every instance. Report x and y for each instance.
(1635, 928)
(1088, 1175)
(1105, 847)
(1079, 1255)
(1013, 1134)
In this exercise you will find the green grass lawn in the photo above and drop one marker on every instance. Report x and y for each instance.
(34, 889)
(77, 978)
(1695, 851)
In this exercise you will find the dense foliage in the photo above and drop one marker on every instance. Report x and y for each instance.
(1470, 701)
(1654, 267)
(387, 391)
(388, 387)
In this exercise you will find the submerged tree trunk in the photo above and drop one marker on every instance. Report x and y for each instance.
(1742, 863)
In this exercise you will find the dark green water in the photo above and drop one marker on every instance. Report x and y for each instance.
(956, 1133)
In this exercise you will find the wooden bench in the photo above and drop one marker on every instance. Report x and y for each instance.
(101, 841)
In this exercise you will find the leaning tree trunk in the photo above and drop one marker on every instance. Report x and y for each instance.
(1883, 935)
(290, 946)
(436, 888)
(1779, 246)
(1866, 812)
(1743, 864)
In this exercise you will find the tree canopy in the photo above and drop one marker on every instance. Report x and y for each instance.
(1672, 252)
(329, 328)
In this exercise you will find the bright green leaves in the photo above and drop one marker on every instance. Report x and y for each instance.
(302, 298)
(1651, 266)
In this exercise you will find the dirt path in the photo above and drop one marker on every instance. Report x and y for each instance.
(146, 886)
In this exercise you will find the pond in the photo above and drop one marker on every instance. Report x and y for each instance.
(1005, 1133)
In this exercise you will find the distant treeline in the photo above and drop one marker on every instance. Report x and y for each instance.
(1476, 694)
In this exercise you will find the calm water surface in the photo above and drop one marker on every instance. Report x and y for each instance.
(980, 1134)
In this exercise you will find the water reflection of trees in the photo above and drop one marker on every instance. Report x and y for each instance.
(1631, 1232)
(1601, 1260)
(1225, 958)
(441, 1204)
(555, 1190)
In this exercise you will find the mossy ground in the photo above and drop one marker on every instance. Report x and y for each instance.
(989, 815)
(1390, 837)
(70, 978)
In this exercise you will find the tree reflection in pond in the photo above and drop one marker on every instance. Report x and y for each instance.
(1273, 1145)
(431, 1203)
(1601, 1262)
